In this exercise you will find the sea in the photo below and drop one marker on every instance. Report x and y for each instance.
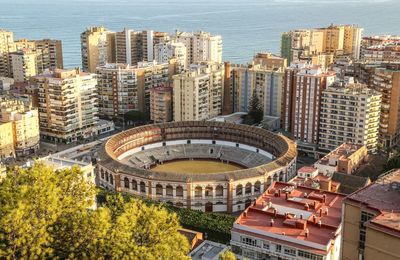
(247, 26)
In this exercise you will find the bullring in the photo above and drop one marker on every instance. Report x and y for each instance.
(127, 161)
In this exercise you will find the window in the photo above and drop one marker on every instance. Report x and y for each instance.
(309, 255)
(249, 241)
(134, 185)
(126, 182)
(198, 192)
(209, 191)
(159, 189)
(169, 190)
(219, 191)
(266, 246)
(179, 191)
(239, 190)
(278, 248)
(365, 216)
(290, 251)
(248, 188)
(142, 187)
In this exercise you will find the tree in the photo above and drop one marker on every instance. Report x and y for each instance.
(255, 114)
(147, 232)
(227, 255)
(50, 214)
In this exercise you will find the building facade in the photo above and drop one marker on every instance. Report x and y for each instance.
(6, 46)
(123, 88)
(165, 51)
(97, 48)
(24, 122)
(25, 64)
(161, 104)
(371, 220)
(259, 80)
(198, 93)
(349, 113)
(303, 87)
(67, 105)
(200, 46)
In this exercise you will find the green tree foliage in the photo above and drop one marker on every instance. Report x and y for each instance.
(393, 162)
(255, 114)
(47, 214)
(227, 255)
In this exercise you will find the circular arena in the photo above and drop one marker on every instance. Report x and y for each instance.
(204, 165)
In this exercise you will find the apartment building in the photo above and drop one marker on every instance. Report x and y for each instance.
(23, 121)
(161, 104)
(132, 46)
(371, 220)
(67, 105)
(200, 46)
(165, 51)
(49, 52)
(25, 64)
(290, 222)
(270, 61)
(386, 80)
(338, 40)
(6, 46)
(97, 48)
(302, 95)
(264, 82)
(7, 149)
(123, 88)
(198, 92)
(349, 113)
(386, 53)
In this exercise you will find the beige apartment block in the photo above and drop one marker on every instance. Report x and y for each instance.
(25, 64)
(386, 80)
(6, 140)
(371, 220)
(161, 104)
(197, 93)
(6, 46)
(263, 81)
(49, 52)
(200, 46)
(24, 121)
(97, 48)
(123, 88)
(350, 113)
(67, 105)
(164, 51)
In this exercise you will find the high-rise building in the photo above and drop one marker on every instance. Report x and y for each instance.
(164, 51)
(371, 220)
(303, 86)
(386, 80)
(197, 93)
(137, 46)
(24, 121)
(338, 40)
(161, 104)
(349, 113)
(49, 52)
(67, 105)
(97, 48)
(6, 46)
(255, 79)
(6, 140)
(201, 46)
(25, 64)
(290, 222)
(123, 88)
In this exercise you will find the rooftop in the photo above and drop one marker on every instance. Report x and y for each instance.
(383, 196)
(306, 217)
(208, 250)
(344, 151)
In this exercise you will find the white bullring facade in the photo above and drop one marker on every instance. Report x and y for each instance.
(126, 160)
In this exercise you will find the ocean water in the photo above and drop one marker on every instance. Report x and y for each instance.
(247, 26)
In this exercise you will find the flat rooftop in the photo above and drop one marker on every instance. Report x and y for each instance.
(344, 151)
(295, 215)
(383, 196)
